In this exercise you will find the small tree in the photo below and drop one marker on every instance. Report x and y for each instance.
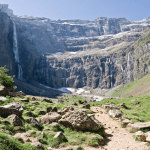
(6, 80)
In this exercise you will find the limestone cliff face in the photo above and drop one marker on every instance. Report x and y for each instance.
(103, 53)
(104, 71)
(6, 43)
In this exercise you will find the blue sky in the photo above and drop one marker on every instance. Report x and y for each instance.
(133, 10)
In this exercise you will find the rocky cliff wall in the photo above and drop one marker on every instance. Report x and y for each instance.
(104, 71)
(6, 44)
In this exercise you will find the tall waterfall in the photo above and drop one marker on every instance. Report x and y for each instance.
(108, 61)
(16, 54)
(130, 63)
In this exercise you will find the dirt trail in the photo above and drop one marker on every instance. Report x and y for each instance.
(119, 138)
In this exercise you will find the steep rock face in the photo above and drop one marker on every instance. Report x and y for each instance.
(6, 43)
(104, 71)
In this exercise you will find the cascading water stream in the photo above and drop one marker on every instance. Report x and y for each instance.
(16, 54)
(128, 69)
(110, 72)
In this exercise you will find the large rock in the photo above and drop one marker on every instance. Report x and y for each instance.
(51, 109)
(2, 98)
(59, 135)
(33, 121)
(141, 136)
(5, 91)
(79, 120)
(50, 117)
(139, 125)
(126, 122)
(86, 105)
(15, 120)
(11, 108)
(69, 108)
(115, 113)
(47, 100)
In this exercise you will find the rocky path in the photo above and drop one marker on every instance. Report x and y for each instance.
(118, 138)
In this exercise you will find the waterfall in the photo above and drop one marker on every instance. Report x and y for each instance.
(108, 61)
(16, 54)
(128, 68)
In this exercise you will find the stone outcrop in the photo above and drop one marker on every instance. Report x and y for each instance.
(5, 91)
(141, 136)
(86, 105)
(139, 125)
(12, 108)
(51, 109)
(49, 118)
(79, 120)
(15, 120)
(33, 121)
(65, 110)
(115, 113)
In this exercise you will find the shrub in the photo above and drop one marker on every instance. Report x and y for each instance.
(6, 80)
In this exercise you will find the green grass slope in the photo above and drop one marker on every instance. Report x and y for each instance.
(139, 87)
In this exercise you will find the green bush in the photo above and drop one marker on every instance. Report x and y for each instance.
(6, 80)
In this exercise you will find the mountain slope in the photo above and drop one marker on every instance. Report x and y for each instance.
(139, 87)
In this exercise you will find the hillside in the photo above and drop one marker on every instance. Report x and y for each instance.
(139, 87)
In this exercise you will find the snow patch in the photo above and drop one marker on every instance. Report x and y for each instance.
(66, 89)
(57, 54)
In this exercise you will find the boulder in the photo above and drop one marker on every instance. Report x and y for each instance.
(69, 108)
(115, 113)
(126, 121)
(47, 100)
(139, 125)
(148, 138)
(11, 108)
(33, 121)
(79, 120)
(54, 124)
(51, 109)
(59, 135)
(86, 105)
(2, 98)
(5, 91)
(42, 112)
(15, 120)
(50, 117)
(141, 136)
